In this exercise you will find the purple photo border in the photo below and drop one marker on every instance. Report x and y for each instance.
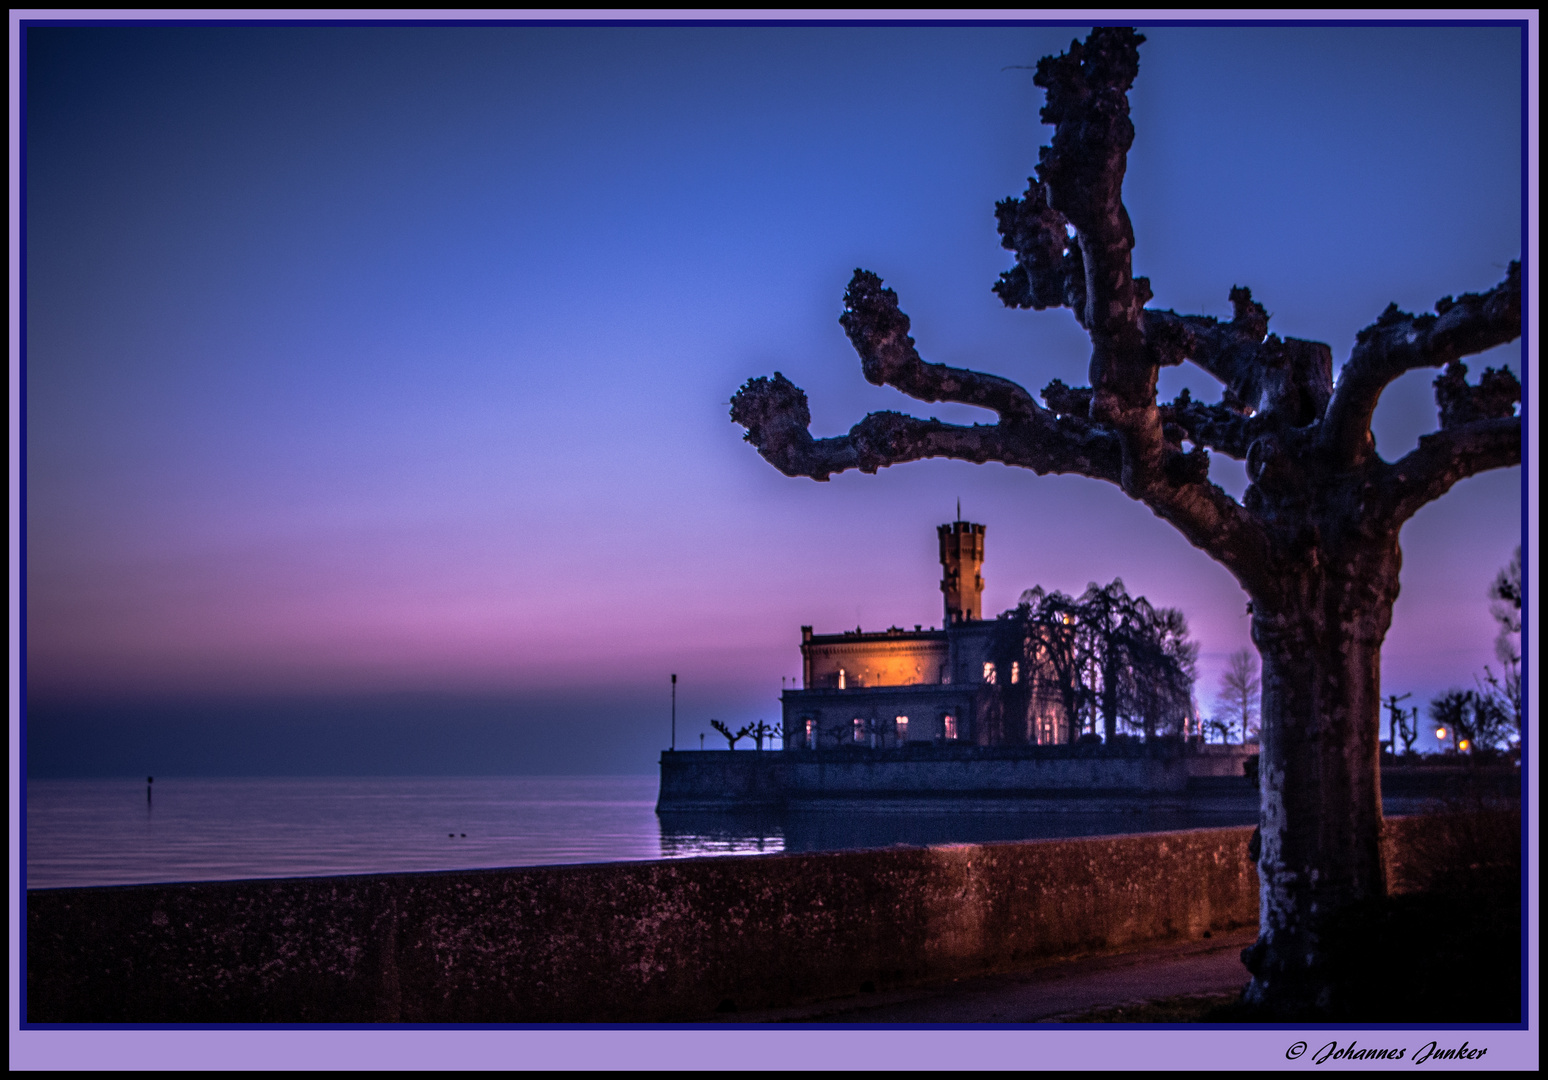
(1105, 1046)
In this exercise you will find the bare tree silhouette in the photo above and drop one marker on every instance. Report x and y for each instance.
(1314, 540)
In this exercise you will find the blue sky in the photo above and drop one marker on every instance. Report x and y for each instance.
(384, 371)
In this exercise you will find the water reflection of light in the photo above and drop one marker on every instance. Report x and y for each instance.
(690, 846)
(687, 834)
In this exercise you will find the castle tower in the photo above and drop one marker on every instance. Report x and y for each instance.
(962, 559)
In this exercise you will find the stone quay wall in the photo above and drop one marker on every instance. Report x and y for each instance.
(1082, 776)
(623, 942)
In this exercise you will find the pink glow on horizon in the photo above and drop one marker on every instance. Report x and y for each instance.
(416, 378)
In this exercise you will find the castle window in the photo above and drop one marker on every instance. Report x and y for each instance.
(988, 673)
(841, 678)
(949, 723)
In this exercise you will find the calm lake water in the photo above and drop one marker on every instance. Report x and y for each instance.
(103, 832)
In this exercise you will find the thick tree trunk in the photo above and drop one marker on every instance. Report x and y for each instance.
(1320, 763)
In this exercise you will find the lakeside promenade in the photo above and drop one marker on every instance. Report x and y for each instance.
(667, 941)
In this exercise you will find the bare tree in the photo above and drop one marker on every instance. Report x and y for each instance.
(732, 738)
(1239, 687)
(761, 731)
(1106, 650)
(1397, 724)
(1314, 540)
(1471, 718)
(1408, 729)
(1503, 691)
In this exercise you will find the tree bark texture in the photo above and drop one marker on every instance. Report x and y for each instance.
(1313, 541)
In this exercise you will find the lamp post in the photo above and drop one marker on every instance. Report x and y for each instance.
(674, 712)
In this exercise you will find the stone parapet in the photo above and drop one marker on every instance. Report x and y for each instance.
(641, 942)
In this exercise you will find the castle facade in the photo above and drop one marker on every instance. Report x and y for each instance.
(894, 687)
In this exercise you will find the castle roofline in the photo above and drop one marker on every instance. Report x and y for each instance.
(892, 633)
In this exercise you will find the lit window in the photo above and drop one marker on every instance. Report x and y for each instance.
(988, 673)
(1015, 671)
(950, 724)
(902, 723)
(841, 678)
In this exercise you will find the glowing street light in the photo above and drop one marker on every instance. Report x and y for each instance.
(1464, 745)
(1440, 734)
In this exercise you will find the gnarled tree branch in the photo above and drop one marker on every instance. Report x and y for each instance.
(1262, 373)
(1049, 270)
(1215, 427)
(1398, 342)
(1082, 172)
(1444, 457)
(879, 333)
(776, 416)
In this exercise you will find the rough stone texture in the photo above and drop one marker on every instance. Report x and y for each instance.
(721, 779)
(620, 942)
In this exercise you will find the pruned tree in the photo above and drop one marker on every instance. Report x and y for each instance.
(1408, 729)
(732, 738)
(1239, 690)
(761, 731)
(1397, 726)
(1314, 539)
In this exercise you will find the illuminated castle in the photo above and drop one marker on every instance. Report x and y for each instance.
(894, 687)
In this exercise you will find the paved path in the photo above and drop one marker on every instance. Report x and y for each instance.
(1062, 989)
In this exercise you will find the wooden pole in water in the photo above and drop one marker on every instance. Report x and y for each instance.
(674, 712)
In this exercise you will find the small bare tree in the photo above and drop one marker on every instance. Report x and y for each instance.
(732, 738)
(1503, 691)
(1408, 729)
(1314, 540)
(761, 731)
(1396, 723)
(1239, 688)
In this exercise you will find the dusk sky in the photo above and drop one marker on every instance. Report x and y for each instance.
(377, 379)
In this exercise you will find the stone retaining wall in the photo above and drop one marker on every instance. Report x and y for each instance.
(651, 941)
